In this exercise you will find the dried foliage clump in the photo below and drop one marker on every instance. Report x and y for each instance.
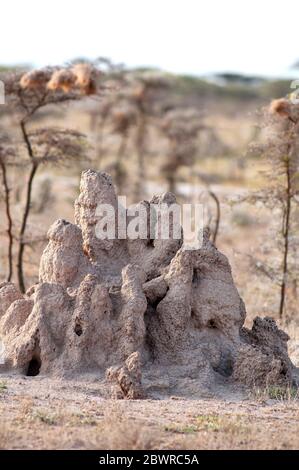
(35, 79)
(63, 79)
(79, 77)
(86, 78)
(284, 108)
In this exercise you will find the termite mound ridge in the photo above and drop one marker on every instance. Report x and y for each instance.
(145, 316)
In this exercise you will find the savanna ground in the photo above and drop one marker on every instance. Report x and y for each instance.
(38, 413)
(41, 413)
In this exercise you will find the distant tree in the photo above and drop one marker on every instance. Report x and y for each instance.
(129, 112)
(232, 78)
(281, 149)
(181, 128)
(123, 118)
(144, 98)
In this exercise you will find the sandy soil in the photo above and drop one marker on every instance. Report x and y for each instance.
(43, 413)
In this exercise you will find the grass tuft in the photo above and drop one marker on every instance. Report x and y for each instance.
(3, 386)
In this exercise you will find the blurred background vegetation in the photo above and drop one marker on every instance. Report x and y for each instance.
(155, 131)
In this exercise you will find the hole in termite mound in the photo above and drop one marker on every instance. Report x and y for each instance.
(33, 367)
(212, 324)
(196, 276)
(78, 329)
(225, 365)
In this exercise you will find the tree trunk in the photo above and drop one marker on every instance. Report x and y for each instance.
(218, 215)
(34, 166)
(286, 230)
(119, 171)
(140, 156)
(9, 221)
(23, 228)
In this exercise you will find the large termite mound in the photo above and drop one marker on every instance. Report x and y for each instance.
(143, 315)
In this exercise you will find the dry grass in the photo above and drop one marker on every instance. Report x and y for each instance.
(59, 415)
(278, 393)
(46, 431)
(3, 386)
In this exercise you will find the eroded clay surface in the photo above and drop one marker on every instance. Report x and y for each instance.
(146, 317)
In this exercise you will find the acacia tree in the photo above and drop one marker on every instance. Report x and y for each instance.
(99, 116)
(181, 128)
(100, 111)
(144, 96)
(123, 117)
(26, 95)
(281, 149)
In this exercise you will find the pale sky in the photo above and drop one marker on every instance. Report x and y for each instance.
(182, 36)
